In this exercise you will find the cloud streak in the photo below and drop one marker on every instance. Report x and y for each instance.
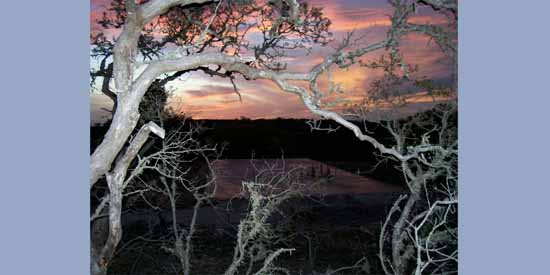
(211, 97)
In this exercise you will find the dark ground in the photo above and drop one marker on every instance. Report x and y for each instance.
(336, 233)
(341, 230)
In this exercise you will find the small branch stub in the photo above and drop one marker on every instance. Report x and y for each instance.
(157, 130)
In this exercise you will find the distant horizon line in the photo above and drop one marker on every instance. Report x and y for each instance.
(245, 119)
(222, 119)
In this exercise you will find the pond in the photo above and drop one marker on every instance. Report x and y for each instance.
(230, 173)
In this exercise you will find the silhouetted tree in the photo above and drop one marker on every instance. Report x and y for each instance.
(207, 35)
(210, 36)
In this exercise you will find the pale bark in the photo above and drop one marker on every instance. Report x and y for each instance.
(129, 94)
(115, 181)
(130, 89)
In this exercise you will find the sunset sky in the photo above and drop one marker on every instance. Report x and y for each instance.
(214, 98)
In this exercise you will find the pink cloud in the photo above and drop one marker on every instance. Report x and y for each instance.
(262, 99)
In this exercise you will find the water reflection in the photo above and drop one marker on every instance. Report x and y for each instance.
(324, 179)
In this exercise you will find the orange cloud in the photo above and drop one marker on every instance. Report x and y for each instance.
(206, 97)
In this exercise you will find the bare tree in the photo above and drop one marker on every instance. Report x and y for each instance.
(210, 37)
(257, 234)
(257, 242)
(423, 234)
(182, 238)
(133, 70)
(178, 150)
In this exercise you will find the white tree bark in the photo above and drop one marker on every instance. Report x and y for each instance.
(115, 182)
(130, 89)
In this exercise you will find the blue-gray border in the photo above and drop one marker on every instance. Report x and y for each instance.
(504, 132)
(503, 137)
(44, 199)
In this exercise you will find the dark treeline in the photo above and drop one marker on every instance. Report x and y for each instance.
(288, 138)
(262, 138)
(294, 138)
(291, 137)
